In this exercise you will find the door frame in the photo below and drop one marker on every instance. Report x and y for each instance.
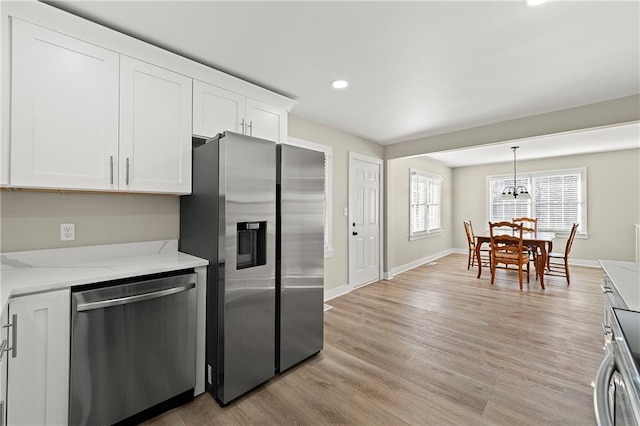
(380, 163)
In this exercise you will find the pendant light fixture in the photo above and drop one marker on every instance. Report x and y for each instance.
(515, 192)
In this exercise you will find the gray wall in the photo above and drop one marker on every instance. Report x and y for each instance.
(399, 251)
(336, 268)
(616, 111)
(613, 201)
(31, 220)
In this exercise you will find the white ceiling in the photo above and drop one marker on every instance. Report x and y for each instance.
(416, 68)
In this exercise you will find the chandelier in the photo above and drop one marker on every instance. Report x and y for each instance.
(514, 192)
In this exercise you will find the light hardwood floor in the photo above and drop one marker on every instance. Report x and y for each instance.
(436, 346)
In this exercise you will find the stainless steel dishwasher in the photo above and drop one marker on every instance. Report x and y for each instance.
(132, 348)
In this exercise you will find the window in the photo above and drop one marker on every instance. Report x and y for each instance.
(507, 210)
(558, 199)
(425, 204)
(328, 188)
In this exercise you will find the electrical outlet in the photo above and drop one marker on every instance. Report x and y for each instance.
(67, 231)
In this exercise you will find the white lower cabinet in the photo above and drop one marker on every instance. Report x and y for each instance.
(3, 365)
(216, 110)
(38, 367)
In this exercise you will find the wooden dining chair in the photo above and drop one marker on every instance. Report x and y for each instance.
(508, 249)
(558, 263)
(529, 224)
(471, 241)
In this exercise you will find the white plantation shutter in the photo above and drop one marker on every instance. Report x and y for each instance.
(425, 202)
(558, 201)
(327, 200)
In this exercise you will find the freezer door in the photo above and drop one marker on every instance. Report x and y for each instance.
(301, 247)
(246, 264)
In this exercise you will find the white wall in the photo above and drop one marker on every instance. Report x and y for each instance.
(613, 197)
(400, 253)
(336, 268)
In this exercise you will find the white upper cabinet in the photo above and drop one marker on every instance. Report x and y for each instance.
(155, 128)
(64, 111)
(92, 109)
(266, 121)
(216, 110)
(87, 118)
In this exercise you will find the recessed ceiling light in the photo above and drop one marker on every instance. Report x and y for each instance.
(535, 2)
(340, 84)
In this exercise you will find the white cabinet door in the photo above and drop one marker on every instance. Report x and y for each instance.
(155, 129)
(266, 121)
(4, 338)
(64, 111)
(216, 110)
(38, 391)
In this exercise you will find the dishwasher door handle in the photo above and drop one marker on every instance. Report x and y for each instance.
(133, 299)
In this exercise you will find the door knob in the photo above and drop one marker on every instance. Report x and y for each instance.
(354, 233)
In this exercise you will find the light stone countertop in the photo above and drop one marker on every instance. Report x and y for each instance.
(45, 270)
(626, 279)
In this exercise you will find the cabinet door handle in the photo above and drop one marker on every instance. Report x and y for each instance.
(14, 338)
(111, 169)
(126, 178)
(242, 125)
(251, 128)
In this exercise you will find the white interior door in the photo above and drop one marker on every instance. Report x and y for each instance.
(364, 219)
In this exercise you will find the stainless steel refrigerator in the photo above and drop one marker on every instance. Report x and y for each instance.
(230, 219)
(300, 274)
(265, 276)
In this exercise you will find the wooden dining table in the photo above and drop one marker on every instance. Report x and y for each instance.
(541, 240)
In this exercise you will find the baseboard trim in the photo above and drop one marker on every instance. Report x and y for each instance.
(582, 262)
(336, 292)
(403, 268)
